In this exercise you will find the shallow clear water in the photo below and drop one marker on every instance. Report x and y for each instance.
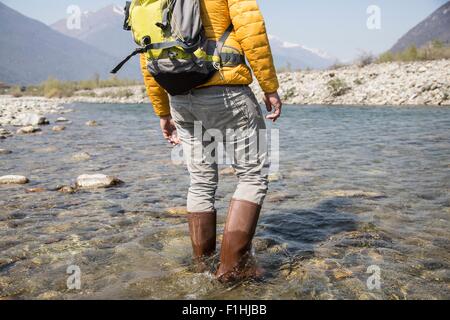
(359, 187)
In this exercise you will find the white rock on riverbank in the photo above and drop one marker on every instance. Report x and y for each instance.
(13, 179)
(29, 119)
(97, 181)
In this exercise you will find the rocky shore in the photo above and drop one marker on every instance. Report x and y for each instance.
(396, 84)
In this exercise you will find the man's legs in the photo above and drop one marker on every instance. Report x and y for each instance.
(251, 164)
(204, 179)
(222, 109)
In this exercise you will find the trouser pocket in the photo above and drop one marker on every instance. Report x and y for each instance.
(245, 102)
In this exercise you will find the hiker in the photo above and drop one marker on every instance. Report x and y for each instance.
(215, 93)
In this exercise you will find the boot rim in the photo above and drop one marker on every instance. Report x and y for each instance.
(201, 213)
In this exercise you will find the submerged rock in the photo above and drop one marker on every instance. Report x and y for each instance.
(66, 189)
(59, 128)
(279, 197)
(35, 190)
(28, 130)
(5, 133)
(62, 119)
(97, 181)
(177, 210)
(13, 179)
(353, 194)
(82, 156)
(275, 176)
(5, 151)
(227, 171)
(49, 295)
(341, 273)
(92, 123)
(50, 149)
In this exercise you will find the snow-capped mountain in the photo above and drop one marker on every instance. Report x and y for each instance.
(298, 56)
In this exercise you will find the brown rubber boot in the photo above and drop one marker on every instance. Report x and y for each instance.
(202, 228)
(237, 240)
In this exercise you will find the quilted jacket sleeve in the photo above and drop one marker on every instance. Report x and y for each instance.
(251, 33)
(158, 96)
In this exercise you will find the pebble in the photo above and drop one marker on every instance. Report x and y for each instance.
(13, 179)
(97, 181)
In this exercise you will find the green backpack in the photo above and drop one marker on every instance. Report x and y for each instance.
(171, 35)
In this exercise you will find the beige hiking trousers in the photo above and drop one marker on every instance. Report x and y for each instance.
(222, 125)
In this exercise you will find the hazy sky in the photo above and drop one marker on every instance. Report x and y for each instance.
(335, 26)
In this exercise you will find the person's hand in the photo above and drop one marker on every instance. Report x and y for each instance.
(273, 101)
(168, 130)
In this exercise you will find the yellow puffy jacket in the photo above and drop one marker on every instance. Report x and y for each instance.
(249, 38)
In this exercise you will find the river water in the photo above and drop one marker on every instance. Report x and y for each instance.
(359, 210)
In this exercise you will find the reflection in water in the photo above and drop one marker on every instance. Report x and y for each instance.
(358, 187)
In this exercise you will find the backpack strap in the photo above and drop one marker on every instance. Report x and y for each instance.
(164, 24)
(126, 25)
(158, 46)
(122, 63)
(221, 42)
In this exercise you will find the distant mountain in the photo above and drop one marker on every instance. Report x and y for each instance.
(101, 29)
(436, 26)
(30, 52)
(297, 56)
